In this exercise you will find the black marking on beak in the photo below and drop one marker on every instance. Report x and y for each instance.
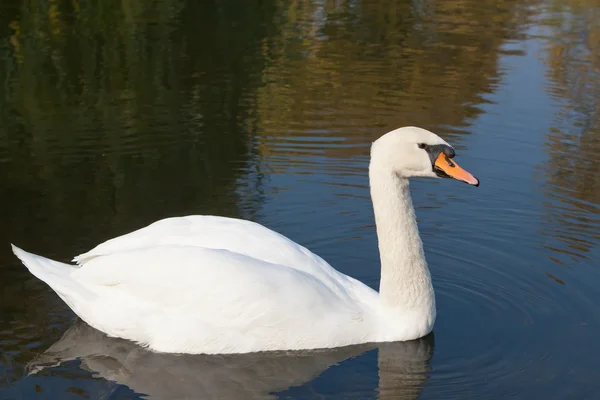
(435, 150)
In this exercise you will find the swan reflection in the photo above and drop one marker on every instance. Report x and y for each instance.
(403, 367)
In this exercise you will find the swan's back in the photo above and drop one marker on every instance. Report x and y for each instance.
(221, 233)
(212, 232)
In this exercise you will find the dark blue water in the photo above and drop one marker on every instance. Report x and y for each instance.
(115, 115)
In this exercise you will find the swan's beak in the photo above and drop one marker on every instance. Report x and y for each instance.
(446, 168)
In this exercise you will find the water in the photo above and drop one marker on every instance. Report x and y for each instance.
(115, 115)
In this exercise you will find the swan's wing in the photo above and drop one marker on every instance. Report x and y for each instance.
(236, 235)
(193, 299)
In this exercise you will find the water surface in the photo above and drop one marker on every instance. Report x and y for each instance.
(114, 115)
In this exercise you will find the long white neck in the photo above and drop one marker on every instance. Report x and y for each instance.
(405, 280)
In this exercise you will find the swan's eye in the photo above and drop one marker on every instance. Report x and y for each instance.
(422, 146)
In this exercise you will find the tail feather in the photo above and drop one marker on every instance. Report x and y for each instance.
(55, 274)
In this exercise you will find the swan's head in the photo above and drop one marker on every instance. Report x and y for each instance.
(412, 152)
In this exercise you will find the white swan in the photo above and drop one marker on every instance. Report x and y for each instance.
(205, 284)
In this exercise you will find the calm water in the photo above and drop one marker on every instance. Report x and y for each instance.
(113, 115)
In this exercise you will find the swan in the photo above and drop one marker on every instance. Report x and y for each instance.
(215, 285)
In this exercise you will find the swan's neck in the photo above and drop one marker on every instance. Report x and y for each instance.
(405, 280)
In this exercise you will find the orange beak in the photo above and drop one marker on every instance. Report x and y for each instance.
(444, 166)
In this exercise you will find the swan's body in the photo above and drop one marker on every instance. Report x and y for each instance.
(204, 284)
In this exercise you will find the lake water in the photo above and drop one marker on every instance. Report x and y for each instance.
(116, 114)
